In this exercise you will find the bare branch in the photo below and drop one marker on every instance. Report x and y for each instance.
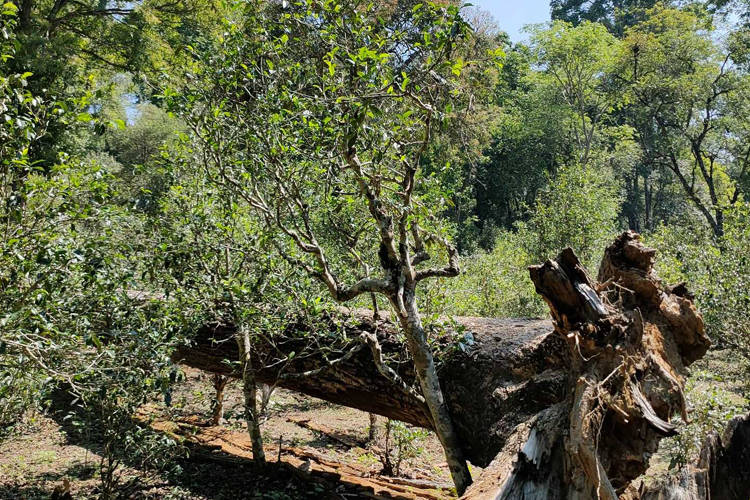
(385, 370)
(450, 270)
(384, 222)
(329, 364)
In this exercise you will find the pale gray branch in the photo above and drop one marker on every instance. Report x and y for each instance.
(385, 370)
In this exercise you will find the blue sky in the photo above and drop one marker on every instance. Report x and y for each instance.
(512, 15)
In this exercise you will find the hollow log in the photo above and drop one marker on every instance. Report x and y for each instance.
(568, 409)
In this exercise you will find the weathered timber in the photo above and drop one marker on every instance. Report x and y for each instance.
(629, 340)
(511, 370)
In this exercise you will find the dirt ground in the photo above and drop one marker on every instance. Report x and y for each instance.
(335, 462)
(193, 399)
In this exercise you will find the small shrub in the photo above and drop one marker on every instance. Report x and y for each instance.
(711, 408)
(493, 284)
(401, 445)
(578, 209)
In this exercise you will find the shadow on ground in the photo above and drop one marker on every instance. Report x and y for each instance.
(205, 472)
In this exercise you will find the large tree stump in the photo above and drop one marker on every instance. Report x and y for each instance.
(628, 341)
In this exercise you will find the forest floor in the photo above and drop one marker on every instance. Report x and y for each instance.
(325, 451)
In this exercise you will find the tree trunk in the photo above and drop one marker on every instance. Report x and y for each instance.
(569, 409)
(372, 431)
(219, 383)
(249, 392)
(648, 195)
(266, 391)
(502, 373)
(424, 365)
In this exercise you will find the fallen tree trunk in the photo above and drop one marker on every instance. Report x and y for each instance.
(507, 372)
(571, 408)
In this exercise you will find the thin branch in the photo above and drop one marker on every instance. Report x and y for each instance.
(329, 364)
(385, 370)
(450, 270)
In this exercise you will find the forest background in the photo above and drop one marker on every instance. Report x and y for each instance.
(158, 174)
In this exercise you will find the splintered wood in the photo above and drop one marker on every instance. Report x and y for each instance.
(628, 342)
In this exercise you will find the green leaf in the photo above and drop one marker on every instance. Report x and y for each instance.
(9, 9)
(405, 81)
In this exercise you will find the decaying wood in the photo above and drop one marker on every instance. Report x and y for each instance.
(568, 409)
(629, 340)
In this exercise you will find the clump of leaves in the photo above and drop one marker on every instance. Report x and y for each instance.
(401, 445)
(579, 210)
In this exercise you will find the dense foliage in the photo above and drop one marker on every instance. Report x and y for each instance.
(168, 165)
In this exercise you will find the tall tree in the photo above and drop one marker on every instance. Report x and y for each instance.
(68, 257)
(526, 143)
(329, 107)
(686, 97)
(616, 15)
(576, 62)
(72, 48)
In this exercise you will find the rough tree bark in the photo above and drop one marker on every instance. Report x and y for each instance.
(219, 382)
(628, 341)
(249, 392)
(571, 409)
